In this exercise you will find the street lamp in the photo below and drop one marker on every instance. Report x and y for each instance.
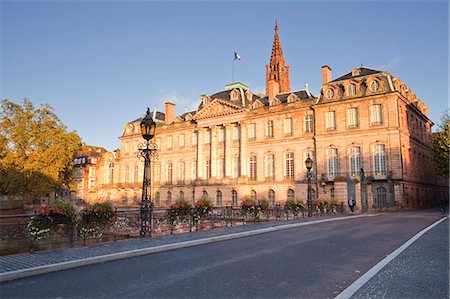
(309, 164)
(148, 127)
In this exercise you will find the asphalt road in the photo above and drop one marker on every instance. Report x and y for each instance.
(316, 261)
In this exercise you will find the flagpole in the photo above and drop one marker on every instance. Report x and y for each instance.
(232, 72)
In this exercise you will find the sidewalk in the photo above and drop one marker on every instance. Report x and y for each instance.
(30, 264)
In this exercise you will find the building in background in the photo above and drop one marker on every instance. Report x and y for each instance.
(367, 133)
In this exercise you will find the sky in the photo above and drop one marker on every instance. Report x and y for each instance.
(100, 64)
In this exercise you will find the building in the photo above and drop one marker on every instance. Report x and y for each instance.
(367, 132)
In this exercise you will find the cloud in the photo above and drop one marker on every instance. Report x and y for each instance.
(392, 63)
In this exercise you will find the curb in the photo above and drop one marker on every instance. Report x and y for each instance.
(17, 274)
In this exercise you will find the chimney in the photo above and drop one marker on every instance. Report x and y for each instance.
(326, 74)
(169, 112)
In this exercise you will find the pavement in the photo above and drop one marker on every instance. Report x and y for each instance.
(421, 264)
(29, 264)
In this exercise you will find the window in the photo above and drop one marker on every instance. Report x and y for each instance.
(269, 129)
(194, 169)
(253, 195)
(218, 198)
(330, 120)
(221, 135)
(287, 126)
(290, 194)
(92, 172)
(126, 175)
(181, 196)
(169, 173)
(381, 197)
(270, 165)
(157, 173)
(332, 194)
(234, 198)
(181, 172)
(194, 138)
(208, 169)
(308, 123)
(289, 166)
(169, 143)
(379, 159)
(111, 173)
(220, 167)
(157, 199)
(208, 136)
(330, 93)
(352, 117)
(376, 114)
(355, 160)
(374, 86)
(204, 194)
(236, 133)
(136, 174)
(169, 198)
(235, 165)
(271, 196)
(252, 168)
(332, 162)
(351, 89)
(251, 131)
(181, 141)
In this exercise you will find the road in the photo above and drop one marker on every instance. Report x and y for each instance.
(316, 261)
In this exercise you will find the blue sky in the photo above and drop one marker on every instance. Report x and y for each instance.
(100, 64)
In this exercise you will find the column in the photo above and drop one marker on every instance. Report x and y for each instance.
(243, 150)
(201, 132)
(228, 157)
(213, 151)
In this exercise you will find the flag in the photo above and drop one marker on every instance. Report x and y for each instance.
(237, 57)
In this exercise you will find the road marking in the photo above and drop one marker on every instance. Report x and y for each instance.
(22, 273)
(355, 286)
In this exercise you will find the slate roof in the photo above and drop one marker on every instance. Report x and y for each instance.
(364, 71)
(159, 116)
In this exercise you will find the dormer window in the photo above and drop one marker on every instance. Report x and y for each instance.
(356, 72)
(351, 89)
(330, 93)
(374, 86)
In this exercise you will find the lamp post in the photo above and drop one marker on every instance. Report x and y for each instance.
(309, 164)
(148, 127)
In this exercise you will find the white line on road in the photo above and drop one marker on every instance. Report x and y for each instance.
(354, 287)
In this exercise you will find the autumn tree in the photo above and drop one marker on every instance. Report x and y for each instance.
(36, 149)
(441, 145)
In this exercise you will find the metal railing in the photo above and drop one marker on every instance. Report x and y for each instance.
(125, 223)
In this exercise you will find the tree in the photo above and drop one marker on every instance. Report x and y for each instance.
(441, 145)
(36, 149)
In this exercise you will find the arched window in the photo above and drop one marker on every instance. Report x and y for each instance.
(126, 174)
(157, 199)
(181, 196)
(355, 160)
(381, 197)
(271, 196)
(111, 173)
(332, 162)
(169, 173)
(379, 159)
(169, 198)
(253, 195)
(234, 198)
(290, 194)
(205, 194)
(351, 90)
(218, 198)
(289, 166)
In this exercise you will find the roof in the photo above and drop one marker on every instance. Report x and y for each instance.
(363, 71)
(159, 116)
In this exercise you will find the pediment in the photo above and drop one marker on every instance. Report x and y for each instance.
(217, 108)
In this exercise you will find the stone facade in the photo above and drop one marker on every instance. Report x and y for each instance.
(367, 133)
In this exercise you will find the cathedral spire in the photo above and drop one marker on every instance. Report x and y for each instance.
(277, 73)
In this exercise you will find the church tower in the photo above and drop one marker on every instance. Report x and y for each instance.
(277, 74)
